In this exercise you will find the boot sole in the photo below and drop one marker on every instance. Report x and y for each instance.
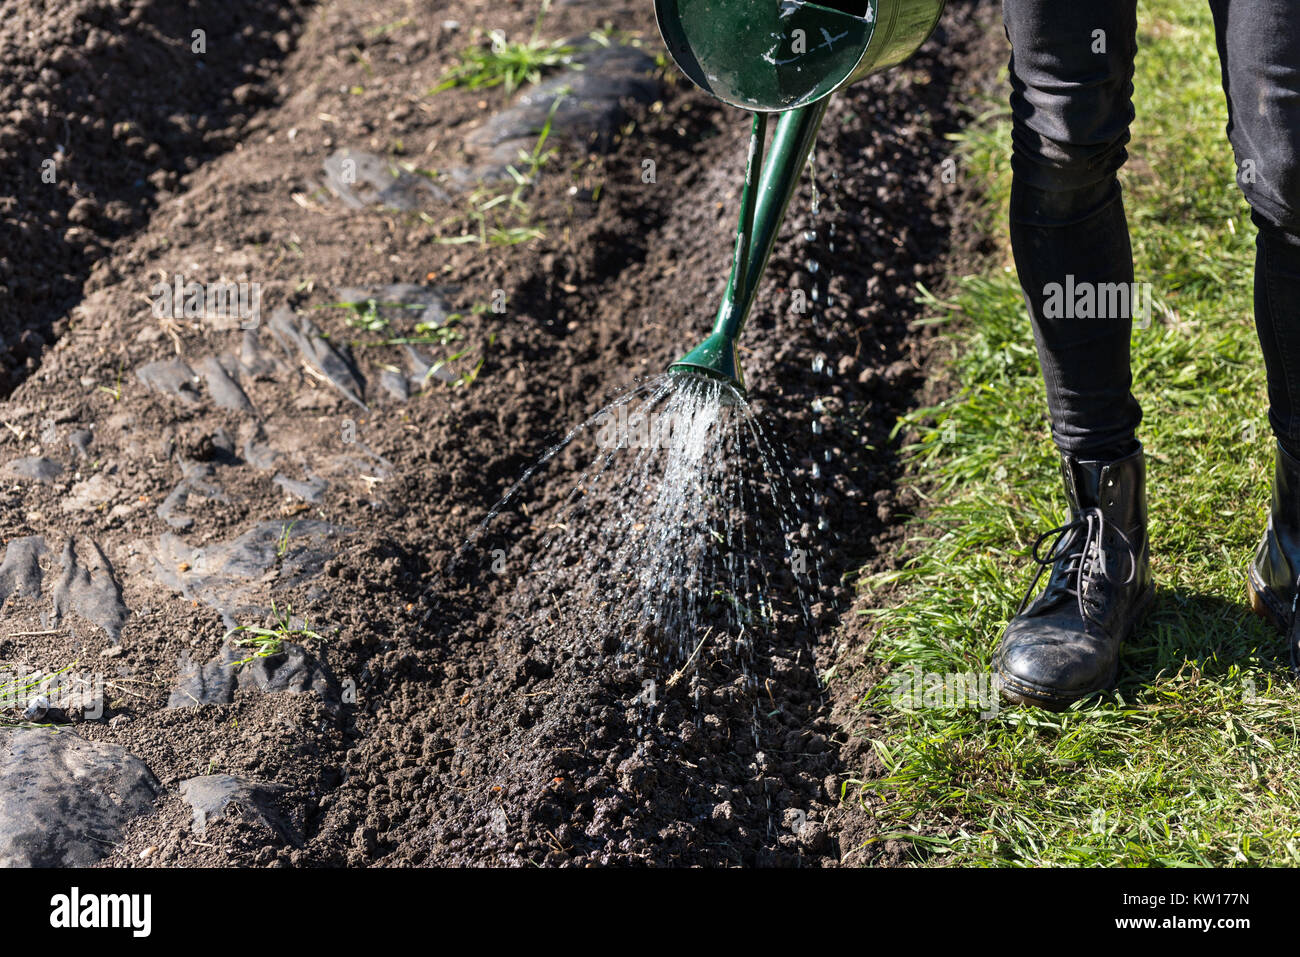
(1264, 605)
(1018, 691)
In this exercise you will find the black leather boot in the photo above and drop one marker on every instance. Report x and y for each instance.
(1272, 576)
(1065, 645)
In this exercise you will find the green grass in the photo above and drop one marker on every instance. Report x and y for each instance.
(367, 316)
(497, 214)
(18, 691)
(1194, 759)
(506, 64)
(282, 544)
(266, 642)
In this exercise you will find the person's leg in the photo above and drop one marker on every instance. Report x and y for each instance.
(1259, 56)
(1071, 75)
(1071, 100)
(1259, 53)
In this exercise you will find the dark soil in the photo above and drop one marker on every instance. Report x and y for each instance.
(107, 106)
(461, 737)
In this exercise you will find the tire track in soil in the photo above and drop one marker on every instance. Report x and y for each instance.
(471, 741)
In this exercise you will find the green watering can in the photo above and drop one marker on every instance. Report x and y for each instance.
(786, 57)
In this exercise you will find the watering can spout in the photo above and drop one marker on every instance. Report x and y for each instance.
(770, 181)
(716, 357)
(756, 54)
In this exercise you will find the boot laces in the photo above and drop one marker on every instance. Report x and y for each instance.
(1081, 555)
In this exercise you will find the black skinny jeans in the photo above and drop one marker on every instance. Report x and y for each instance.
(1071, 99)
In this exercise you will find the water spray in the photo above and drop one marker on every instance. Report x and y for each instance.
(783, 57)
